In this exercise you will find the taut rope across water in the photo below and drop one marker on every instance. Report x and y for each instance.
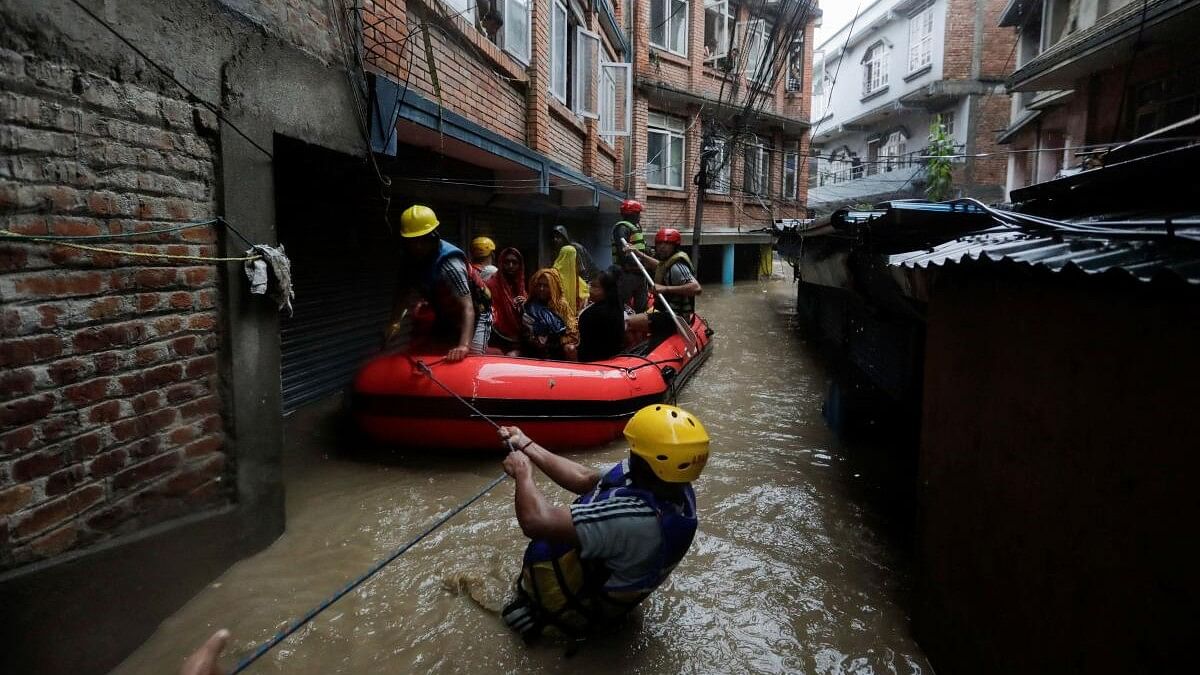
(312, 613)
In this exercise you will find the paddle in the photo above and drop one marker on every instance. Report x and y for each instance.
(689, 336)
(399, 333)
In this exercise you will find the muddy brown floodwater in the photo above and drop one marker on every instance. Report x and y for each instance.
(788, 573)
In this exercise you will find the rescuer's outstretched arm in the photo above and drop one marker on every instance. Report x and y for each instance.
(537, 517)
(569, 475)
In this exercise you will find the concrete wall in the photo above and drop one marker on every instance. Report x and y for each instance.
(1089, 115)
(134, 451)
(1056, 475)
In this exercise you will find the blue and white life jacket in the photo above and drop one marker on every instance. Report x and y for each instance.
(440, 295)
(572, 593)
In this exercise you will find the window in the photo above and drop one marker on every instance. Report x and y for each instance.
(587, 65)
(718, 16)
(875, 75)
(873, 156)
(664, 151)
(669, 25)
(616, 99)
(819, 86)
(574, 63)
(892, 152)
(795, 72)
(516, 28)
(759, 51)
(756, 174)
(558, 51)
(791, 171)
(719, 166)
(920, 40)
(463, 8)
(947, 118)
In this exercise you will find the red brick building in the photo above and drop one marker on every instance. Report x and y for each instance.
(738, 72)
(1091, 75)
(632, 127)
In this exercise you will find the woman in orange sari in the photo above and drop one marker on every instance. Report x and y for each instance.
(549, 323)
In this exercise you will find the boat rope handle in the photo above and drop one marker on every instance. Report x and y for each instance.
(377, 567)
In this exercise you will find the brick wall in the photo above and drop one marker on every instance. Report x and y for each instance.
(722, 212)
(959, 42)
(992, 113)
(566, 138)
(690, 73)
(607, 167)
(476, 79)
(109, 408)
(997, 58)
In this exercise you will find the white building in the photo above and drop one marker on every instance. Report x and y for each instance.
(879, 83)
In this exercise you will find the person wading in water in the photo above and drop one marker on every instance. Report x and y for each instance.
(591, 563)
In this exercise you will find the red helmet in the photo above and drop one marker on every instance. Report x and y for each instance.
(669, 235)
(630, 207)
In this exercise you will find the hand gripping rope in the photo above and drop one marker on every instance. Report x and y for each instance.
(311, 614)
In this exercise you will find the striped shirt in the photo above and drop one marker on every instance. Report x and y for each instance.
(623, 532)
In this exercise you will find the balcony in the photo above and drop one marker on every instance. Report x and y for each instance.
(883, 177)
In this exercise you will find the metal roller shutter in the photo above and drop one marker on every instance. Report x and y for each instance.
(342, 306)
(508, 228)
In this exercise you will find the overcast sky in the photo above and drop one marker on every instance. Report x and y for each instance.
(837, 13)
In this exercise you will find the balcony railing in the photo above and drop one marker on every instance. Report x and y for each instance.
(883, 164)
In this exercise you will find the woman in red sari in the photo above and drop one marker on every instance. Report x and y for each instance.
(508, 299)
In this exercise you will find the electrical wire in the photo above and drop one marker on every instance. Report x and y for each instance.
(6, 234)
(116, 251)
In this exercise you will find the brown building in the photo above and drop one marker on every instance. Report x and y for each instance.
(1092, 74)
(739, 73)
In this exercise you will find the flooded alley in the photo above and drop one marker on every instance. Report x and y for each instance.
(789, 571)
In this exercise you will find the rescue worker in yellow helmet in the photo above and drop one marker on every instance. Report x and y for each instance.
(439, 278)
(591, 563)
(482, 249)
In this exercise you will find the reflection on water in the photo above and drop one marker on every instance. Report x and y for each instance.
(786, 574)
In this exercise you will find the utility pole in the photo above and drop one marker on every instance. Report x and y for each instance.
(701, 181)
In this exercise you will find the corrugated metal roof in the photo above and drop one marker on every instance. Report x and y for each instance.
(1143, 260)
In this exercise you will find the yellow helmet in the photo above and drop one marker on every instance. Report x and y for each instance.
(481, 246)
(671, 440)
(417, 221)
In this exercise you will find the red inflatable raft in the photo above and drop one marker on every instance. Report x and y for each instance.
(560, 404)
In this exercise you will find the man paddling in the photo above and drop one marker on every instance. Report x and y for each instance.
(674, 280)
(632, 286)
(591, 563)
